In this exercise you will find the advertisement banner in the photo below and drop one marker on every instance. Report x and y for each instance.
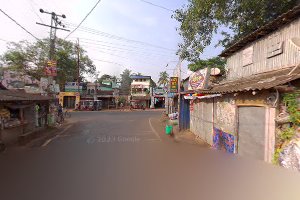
(174, 84)
(198, 80)
(50, 69)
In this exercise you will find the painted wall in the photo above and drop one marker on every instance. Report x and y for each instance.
(225, 114)
(201, 119)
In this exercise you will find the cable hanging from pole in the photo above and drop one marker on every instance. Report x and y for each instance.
(83, 19)
(18, 24)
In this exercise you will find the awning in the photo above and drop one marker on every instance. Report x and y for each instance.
(202, 97)
(260, 81)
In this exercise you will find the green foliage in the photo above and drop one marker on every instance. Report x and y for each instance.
(216, 62)
(287, 134)
(31, 58)
(125, 82)
(152, 83)
(163, 78)
(201, 19)
(292, 106)
(275, 159)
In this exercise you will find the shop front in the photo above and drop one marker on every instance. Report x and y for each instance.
(69, 99)
(21, 114)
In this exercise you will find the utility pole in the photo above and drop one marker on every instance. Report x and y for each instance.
(53, 27)
(78, 64)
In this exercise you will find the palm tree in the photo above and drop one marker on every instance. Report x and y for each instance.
(163, 78)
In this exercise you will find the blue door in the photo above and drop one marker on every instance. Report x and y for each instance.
(184, 115)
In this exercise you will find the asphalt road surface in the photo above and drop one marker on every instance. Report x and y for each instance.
(125, 155)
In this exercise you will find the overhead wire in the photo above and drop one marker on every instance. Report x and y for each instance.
(116, 37)
(159, 6)
(83, 19)
(18, 24)
(125, 49)
(120, 44)
(31, 2)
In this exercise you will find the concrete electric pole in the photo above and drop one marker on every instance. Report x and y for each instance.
(55, 22)
(78, 64)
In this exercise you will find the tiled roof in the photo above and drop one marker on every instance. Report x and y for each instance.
(14, 95)
(263, 31)
(261, 81)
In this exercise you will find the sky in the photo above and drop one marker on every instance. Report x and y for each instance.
(118, 34)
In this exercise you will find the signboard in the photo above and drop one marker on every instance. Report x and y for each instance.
(174, 84)
(198, 80)
(73, 87)
(50, 69)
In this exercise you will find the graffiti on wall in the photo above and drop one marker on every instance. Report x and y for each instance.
(223, 141)
(225, 112)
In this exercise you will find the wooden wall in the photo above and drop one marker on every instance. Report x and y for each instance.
(260, 62)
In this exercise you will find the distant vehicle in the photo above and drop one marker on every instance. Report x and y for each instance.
(137, 104)
(91, 105)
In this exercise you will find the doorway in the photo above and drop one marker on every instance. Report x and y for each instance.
(251, 132)
(69, 102)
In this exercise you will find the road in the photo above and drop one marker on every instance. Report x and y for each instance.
(125, 155)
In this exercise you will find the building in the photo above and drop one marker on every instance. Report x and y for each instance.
(69, 100)
(21, 114)
(240, 114)
(158, 97)
(141, 91)
(108, 92)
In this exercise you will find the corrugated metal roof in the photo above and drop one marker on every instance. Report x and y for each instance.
(15, 95)
(263, 31)
(261, 81)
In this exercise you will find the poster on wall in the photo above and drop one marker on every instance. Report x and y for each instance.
(198, 80)
(50, 69)
(174, 84)
(223, 141)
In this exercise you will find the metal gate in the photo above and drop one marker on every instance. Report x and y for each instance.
(184, 116)
(251, 131)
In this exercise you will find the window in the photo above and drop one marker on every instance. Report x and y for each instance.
(275, 45)
(247, 57)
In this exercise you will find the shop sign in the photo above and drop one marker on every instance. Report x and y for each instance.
(198, 80)
(174, 84)
(50, 69)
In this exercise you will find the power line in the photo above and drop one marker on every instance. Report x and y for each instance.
(120, 44)
(83, 19)
(107, 61)
(125, 49)
(162, 7)
(116, 37)
(33, 10)
(18, 24)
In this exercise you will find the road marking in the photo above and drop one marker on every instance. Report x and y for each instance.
(58, 135)
(48, 141)
(152, 140)
(153, 130)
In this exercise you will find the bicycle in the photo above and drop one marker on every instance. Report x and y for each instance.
(67, 114)
(60, 118)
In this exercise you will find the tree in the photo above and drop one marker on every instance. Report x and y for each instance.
(152, 84)
(215, 62)
(31, 58)
(125, 82)
(163, 78)
(201, 19)
(104, 77)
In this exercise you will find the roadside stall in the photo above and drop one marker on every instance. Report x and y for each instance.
(21, 114)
